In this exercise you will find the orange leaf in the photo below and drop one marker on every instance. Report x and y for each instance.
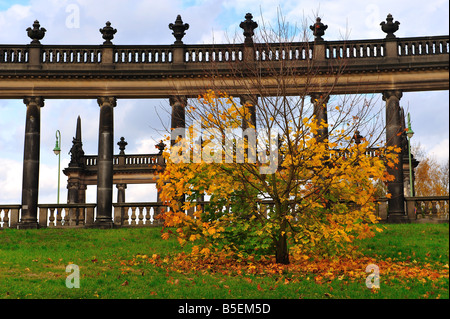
(165, 236)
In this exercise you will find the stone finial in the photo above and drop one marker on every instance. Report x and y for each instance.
(248, 25)
(108, 33)
(178, 29)
(160, 146)
(76, 152)
(357, 137)
(318, 29)
(122, 143)
(389, 27)
(37, 33)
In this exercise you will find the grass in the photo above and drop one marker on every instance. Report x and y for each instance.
(33, 265)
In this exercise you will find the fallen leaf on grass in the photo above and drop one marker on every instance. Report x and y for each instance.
(125, 283)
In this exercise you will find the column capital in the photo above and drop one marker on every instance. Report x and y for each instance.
(121, 186)
(318, 97)
(73, 185)
(102, 100)
(38, 100)
(390, 93)
(175, 99)
(248, 98)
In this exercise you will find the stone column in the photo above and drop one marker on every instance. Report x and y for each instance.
(30, 177)
(82, 194)
(178, 118)
(251, 100)
(121, 192)
(320, 100)
(396, 209)
(72, 191)
(105, 162)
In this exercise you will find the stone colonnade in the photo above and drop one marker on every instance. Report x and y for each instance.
(104, 219)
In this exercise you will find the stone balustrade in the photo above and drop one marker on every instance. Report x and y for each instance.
(419, 209)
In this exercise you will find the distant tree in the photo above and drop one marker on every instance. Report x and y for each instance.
(431, 177)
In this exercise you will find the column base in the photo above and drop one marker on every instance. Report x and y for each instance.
(28, 225)
(398, 219)
(106, 223)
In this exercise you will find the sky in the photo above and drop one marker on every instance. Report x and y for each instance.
(142, 122)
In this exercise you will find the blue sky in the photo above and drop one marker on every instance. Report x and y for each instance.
(146, 22)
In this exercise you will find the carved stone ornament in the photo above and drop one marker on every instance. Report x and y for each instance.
(37, 33)
(389, 27)
(160, 146)
(318, 29)
(248, 25)
(108, 33)
(122, 144)
(178, 29)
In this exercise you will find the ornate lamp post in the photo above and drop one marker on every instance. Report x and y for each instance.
(57, 151)
(410, 134)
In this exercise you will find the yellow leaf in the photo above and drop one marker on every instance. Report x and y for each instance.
(165, 236)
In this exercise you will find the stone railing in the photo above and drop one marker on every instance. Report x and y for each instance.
(423, 46)
(69, 54)
(127, 161)
(9, 216)
(296, 51)
(66, 215)
(213, 53)
(143, 54)
(13, 54)
(76, 57)
(428, 207)
(138, 214)
(418, 209)
(355, 49)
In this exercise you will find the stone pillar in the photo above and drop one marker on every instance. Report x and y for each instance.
(396, 209)
(320, 100)
(121, 192)
(30, 177)
(178, 118)
(82, 194)
(251, 100)
(72, 191)
(105, 162)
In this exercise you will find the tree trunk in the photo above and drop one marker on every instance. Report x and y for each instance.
(282, 254)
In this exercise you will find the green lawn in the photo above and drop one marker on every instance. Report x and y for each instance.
(33, 265)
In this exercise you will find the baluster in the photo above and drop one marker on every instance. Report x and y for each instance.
(133, 216)
(147, 215)
(80, 215)
(125, 220)
(66, 218)
(141, 216)
(51, 218)
(2, 225)
(6, 218)
(59, 217)
(433, 207)
(157, 211)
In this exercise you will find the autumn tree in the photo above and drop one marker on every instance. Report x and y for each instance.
(431, 177)
(300, 184)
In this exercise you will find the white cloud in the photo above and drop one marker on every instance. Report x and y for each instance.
(440, 151)
(10, 181)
